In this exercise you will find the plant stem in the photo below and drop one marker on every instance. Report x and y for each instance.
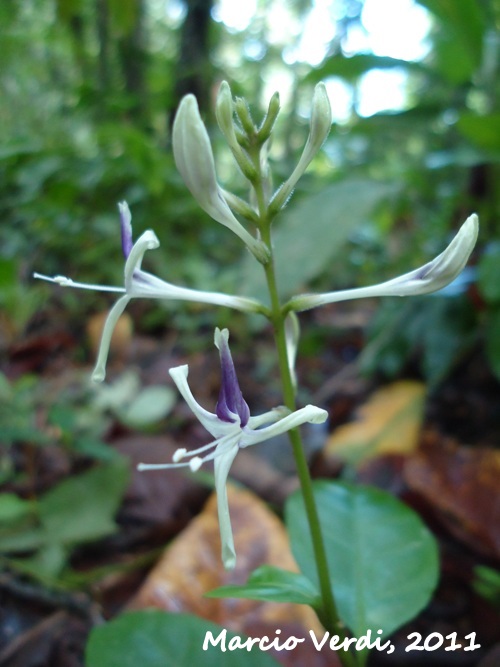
(329, 615)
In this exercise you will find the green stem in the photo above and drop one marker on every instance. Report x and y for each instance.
(329, 615)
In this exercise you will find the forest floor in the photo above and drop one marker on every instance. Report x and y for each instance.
(449, 473)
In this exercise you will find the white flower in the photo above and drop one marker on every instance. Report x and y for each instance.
(139, 283)
(431, 277)
(232, 428)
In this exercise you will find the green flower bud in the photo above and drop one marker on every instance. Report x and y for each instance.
(321, 122)
(195, 161)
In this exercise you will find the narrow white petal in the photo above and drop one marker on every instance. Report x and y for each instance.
(222, 464)
(146, 241)
(431, 277)
(147, 285)
(310, 414)
(270, 417)
(100, 368)
(210, 421)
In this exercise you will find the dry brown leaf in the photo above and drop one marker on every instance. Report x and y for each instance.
(462, 484)
(191, 566)
(389, 423)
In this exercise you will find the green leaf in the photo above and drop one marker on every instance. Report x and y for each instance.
(13, 508)
(487, 583)
(447, 330)
(81, 508)
(493, 340)
(151, 405)
(383, 560)
(460, 36)
(488, 273)
(45, 565)
(309, 235)
(352, 67)
(483, 131)
(272, 584)
(158, 639)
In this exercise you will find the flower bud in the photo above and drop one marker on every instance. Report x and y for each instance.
(224, 110)
(195, 161)
(321, 122)
(272, 113)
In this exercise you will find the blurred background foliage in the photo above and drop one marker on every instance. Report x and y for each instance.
(89, 89)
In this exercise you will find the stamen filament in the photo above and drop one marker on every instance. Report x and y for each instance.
(68, 282)
(195, 452)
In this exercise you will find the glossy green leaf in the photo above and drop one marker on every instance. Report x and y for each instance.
(272, 584)
(157, 639)
(383, 560)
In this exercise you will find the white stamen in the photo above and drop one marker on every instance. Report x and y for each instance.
(68, 282)
(179, 454)
(195, 463)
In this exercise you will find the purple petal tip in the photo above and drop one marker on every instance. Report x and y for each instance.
(231, 404)
(126, 228)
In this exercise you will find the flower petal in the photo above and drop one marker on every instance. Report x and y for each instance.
(147, 285)
(146, 241)
(231, 406)
(126, 228)
(211, 422)
(114, 314)
(270, 417)
(431, 277)
(222, 464)
(310, 414)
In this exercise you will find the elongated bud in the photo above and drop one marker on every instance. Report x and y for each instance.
(244, 115)
(195, 161)
(431, 277)
(272, 113)
(321, 122)
(224, 112)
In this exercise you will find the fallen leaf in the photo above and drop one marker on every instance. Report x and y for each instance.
(388, 423)
(158, 501)
(461, 484)
(191, 566)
